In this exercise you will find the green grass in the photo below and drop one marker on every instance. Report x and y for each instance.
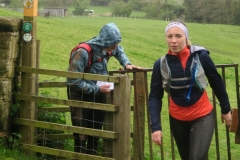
(14, 154)
(144, 42)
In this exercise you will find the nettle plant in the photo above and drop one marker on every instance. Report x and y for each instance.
(54, 117)
(14, 140)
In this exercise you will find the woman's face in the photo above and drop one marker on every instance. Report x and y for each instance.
(176, 40)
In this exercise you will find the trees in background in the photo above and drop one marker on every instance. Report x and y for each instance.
(164, 9)
(5, 1)
(80, 6)
(13, 3)
(16, 4)
(201, 11)
(138, 5)
(236, 13)
(55, 3)
(213, 11)
(121, 8)
(100, 2)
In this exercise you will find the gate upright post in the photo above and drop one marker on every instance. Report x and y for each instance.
(28, 81)
(237, 135)
(139, 115)
(121, 120)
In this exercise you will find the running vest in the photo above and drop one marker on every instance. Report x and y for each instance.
(198, 78)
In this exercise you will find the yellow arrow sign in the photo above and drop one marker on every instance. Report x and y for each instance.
(30, 8)
(28, 3)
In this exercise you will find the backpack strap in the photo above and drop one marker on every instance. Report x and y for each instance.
(167, 78)
(195, 61)
(108, 56)
(83, 45)
(165, 72)
(198, 78)
(88, 48)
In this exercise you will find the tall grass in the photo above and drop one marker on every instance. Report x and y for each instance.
(144, 42)
(13, 154)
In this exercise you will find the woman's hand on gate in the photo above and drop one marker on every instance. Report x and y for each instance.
(227, 118)
(131, 67)
(157, 137)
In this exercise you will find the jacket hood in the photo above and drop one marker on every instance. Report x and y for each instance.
(109, 35)
(195, 48)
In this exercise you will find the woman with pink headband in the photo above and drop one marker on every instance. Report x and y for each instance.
(192, 120)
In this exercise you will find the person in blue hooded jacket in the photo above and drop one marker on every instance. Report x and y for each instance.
(86, 90)
(192, 120)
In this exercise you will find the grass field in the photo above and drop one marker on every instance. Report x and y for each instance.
(144, 42)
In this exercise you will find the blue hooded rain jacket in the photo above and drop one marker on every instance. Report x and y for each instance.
(109, 35)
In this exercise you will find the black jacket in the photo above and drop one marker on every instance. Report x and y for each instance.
(179, 95)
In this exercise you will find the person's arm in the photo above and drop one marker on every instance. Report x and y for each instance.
(215, 81)
(155, 97)
(121, 56)
(155, 103)
(78, 64)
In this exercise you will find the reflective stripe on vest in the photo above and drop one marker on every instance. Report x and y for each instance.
(199, 76)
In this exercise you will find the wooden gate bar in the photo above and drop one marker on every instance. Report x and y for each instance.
(66, 128)
(82, 104)
(87, 76)
(62, 153)
(52, 84)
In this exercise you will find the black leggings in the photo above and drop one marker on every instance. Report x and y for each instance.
(84, 117)
(193, 138)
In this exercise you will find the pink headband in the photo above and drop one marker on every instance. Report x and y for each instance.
(179, 25)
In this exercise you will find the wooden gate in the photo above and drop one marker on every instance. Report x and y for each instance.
(120, 109)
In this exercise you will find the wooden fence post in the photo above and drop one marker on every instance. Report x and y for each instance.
(28, 81)
(139, 116)
(121, 120)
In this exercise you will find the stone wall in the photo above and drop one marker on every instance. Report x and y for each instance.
(10, 49)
